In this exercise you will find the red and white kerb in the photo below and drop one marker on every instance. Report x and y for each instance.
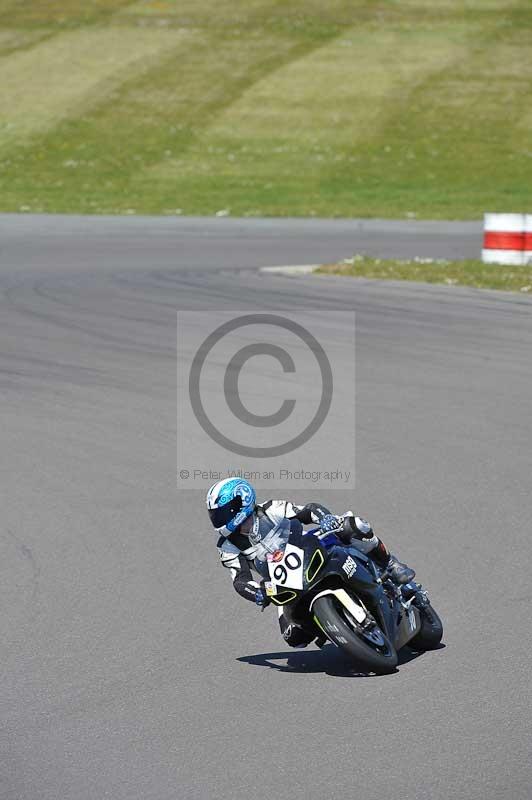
(507, 239)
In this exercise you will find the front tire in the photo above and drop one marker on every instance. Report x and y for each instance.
(373, 652)
(431, 632)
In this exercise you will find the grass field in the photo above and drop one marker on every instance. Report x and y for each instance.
(425, 270)
(260, 107)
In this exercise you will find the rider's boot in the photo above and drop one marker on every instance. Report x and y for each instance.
(398, 572)
(293, 634)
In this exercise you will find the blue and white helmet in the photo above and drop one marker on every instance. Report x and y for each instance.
(229, 503)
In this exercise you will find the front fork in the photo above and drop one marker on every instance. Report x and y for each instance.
(413, 598)
(416, 593)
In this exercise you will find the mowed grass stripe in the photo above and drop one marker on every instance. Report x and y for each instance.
(463, 143)
(345, 86)
(320, 135)
(12, 39)
(449, 143)
(357, 109)
(82, 67)
(281, 127)
(60, 13)
(162, 110)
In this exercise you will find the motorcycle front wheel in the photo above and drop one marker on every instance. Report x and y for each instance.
(431, 632)
(367, 646)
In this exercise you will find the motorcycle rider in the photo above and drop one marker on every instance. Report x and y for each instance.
(245, 528)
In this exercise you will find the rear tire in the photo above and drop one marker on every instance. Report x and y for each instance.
(341, 629)
(431, 631)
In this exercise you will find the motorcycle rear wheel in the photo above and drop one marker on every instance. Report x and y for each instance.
(372, 652)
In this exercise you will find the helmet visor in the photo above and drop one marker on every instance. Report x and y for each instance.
(223, 514)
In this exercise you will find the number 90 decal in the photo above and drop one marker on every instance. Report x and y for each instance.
(289, 571)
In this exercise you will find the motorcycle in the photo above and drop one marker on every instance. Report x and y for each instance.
(337, 592)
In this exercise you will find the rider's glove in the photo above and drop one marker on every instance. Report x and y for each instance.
(330, 523)
(261, 598)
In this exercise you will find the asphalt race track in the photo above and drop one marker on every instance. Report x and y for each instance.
(131, 670)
